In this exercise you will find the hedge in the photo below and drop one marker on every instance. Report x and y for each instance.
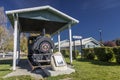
(66, 53)
(75, 53)
(89, 53)
(102, 53)
(117, 53)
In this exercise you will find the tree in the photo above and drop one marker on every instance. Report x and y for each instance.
(117, 41)
(34, 34)
(38, 34)
(10, 43)
(5, 39)
(23, 43)
(3, 19)
(109, 43)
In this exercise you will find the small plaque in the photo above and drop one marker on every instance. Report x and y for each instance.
(59, 61)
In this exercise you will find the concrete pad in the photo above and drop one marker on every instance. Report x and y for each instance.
(24, 69)
(20, 72)
(51, 72)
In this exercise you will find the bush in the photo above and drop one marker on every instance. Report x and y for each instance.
(55, 50)
(116, 50)
(75, 53)
(104, 53)
(90, 56)
(109, 43)
(117, 54)
(65, 52)
(89, 53)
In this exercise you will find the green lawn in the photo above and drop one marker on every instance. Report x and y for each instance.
(85, 70)
(92, 70)
(5, 68)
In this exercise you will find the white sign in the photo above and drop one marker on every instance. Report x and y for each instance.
(59, 60)
(77, 37)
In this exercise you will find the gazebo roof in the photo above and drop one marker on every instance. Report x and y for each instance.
(38, 18)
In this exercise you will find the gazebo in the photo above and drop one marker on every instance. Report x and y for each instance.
(34, 20)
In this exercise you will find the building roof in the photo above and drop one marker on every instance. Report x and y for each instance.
(37, 18)
(65, 43)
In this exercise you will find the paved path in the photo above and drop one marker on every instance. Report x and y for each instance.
(24, 69)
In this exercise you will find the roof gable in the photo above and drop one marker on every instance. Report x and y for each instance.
(37, 18)
(43, 15)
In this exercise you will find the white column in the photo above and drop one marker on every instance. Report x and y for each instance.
(70, 42)
(52, 40)
(59, 41)
(15, 41)
(18, 48)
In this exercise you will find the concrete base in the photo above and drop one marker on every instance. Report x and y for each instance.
(24, 69)
(51, 72)
(54, 62)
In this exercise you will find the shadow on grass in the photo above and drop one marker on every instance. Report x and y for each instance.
(6, 61)
(96, 62)
(4, 69)
(23, 64)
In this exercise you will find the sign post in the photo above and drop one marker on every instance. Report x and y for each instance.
(80, 38)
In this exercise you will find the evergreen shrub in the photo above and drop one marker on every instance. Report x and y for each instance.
(89, 53)
(104, 53)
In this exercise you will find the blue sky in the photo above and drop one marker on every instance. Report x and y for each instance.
(92, 14)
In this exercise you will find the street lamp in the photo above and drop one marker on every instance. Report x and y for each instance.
(100, 31)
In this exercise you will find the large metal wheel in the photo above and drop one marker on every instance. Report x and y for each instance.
(43, 45)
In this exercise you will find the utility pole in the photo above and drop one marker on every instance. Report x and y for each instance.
(100, 32)
(81, 48)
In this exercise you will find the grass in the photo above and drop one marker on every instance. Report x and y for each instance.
(92, 70)
(5, 68)
(25, 77)
(85, 70)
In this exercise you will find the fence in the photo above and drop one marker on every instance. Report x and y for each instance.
(8, 55)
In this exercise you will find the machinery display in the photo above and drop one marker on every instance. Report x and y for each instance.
(40, 50)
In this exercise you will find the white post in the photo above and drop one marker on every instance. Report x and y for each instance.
(15, 41)
(59, 41)
(3, 55)
(70, 42)
(18, 48)
(52, 39)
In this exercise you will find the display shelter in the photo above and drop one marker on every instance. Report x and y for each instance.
(34, 20)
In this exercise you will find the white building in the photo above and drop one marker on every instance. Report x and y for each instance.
(86, 43)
